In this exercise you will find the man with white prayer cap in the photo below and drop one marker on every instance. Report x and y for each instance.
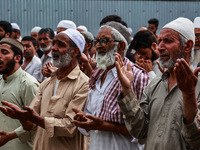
(16, 32)
(65, 24)
(34, 32)
(167, 114)
(196, 60)
(50, 112)
(82, 28)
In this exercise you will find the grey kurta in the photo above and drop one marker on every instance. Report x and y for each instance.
(159, 117)
(19, 88)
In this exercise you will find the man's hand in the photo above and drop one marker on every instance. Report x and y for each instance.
(80, 115)
(125, 76)
(90, 123)
(6, 137)
(187, 81)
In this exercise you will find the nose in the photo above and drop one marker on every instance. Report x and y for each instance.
(54, 47)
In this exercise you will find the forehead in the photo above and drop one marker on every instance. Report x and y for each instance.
(197, 30)
(104, 32)
(26, 42)
(62, 37)
(5, 46)
(169, 33)
(44, 35)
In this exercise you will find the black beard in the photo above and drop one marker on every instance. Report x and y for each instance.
(9, 67)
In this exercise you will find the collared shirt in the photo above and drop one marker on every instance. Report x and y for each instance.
(99, 100)
(159, 117)
(45, 59)
(34, 67)
(60, 132)
(110, 110)
(19, 88)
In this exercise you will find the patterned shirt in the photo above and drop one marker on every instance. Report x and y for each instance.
(110, 110)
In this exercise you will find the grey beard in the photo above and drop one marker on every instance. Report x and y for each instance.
(64, 60)
(106, 60)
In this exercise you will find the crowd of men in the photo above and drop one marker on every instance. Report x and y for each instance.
(116, 90)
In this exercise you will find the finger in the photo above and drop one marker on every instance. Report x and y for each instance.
(94, 118)
(76, 110)
(159, 67)
(13, 106)
(196, 71)
(129, 67)
(186, 66)
(30, 110)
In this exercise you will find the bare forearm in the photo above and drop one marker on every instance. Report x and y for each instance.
(190, 107)
(106, 126)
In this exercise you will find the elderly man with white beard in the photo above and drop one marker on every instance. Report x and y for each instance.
(102, 119)
(50, 112)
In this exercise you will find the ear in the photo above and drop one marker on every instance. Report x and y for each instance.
(75, 51)
(17, 58)
(187, 47)
(121, 47)
(7, 35)
(154, 46)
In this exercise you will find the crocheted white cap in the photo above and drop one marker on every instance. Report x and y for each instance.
(183, 26)
(67, 24)
(76, 37)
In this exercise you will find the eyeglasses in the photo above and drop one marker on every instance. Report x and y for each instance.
(197, 36)
(103, 42)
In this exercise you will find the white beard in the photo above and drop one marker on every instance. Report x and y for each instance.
(46, 48)
(196, 59)
(106, 60)
(64, 60)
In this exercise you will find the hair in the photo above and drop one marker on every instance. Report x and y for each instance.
(183, 40)
(6, 26)
(113, 17)
(17, 52)
(154, 21)
(117, 35)
(30, 38)
(48, 31)
(144, 39)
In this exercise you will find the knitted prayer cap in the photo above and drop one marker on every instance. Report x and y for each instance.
(14, 43)
(183, 26)
(121, 29)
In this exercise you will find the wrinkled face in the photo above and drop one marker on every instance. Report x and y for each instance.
(44, 41)
(29, 49)
(169, 48)
(7, 62)
(105, 54)
(2, 33)
(61, 50)
(152, 28)
(34, 35)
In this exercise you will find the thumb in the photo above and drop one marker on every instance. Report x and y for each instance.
(129, 67)
(196, 71)
(75, 110)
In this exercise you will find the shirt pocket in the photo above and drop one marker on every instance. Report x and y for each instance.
(57, 106)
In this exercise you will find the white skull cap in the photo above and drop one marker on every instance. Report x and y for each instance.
(15, 26)
(67, 24)
(76, 37)
(197, 22)
(36, 29)
(183, 26)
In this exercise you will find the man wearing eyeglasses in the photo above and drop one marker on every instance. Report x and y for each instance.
(102, 119)
(196, 60)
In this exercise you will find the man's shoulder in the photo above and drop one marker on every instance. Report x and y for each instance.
(27, 78)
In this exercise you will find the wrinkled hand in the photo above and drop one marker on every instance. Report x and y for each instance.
(46, 72)
(50, 67)
(15, 112)
(80, 115)
(160, 68)
(6, 136)
(186, 79)
(125, 76)
(91, 123)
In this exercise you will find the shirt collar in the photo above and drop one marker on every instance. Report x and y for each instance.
(72, 75)
(14, 75)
